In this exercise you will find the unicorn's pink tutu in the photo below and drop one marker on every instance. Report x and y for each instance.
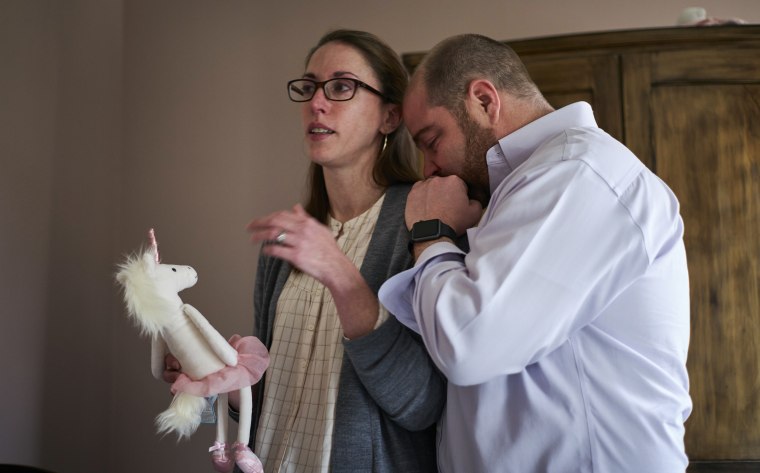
(253, 360)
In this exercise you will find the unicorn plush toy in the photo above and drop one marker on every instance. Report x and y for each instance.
(210, 364)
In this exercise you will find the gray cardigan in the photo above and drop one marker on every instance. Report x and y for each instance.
(390, 394)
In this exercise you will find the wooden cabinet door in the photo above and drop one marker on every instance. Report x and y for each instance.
(694, 117)
(594, 79)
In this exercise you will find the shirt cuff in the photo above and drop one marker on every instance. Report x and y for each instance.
(397, 293)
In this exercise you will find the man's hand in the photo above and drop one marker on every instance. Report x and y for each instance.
(444, 198)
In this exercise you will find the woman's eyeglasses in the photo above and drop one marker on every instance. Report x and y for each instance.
(337, 90)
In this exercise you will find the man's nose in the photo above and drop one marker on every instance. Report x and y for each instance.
(429, 168)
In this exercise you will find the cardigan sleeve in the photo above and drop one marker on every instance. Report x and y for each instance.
(398, 374)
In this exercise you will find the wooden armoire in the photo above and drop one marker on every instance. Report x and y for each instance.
(686, 100)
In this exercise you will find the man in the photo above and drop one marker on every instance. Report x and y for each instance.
(564, 331)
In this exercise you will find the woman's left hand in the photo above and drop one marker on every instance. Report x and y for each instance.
(298, 238)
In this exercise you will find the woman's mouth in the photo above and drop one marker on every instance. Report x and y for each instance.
(320, 131)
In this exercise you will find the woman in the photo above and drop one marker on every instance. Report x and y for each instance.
(348, 387)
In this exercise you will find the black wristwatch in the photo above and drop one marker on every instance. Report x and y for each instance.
(426, 230)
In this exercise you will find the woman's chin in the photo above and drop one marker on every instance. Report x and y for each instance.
(318, 156)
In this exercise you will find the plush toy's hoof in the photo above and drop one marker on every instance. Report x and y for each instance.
(221, 458)
(246, 460)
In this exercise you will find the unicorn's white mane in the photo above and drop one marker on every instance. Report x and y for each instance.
(151, 302)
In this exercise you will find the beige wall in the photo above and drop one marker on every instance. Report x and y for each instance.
(120, 115)
(28, 102)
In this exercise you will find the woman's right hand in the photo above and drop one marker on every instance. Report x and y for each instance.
(303, 242)
(310, 246)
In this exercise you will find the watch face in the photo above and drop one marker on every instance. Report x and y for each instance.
(426, 229)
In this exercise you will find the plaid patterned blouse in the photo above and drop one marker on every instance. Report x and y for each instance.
(295, 428)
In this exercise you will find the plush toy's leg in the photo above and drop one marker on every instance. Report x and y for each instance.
(246, 460)
(246, 411)
(220, 453)
(221, 418)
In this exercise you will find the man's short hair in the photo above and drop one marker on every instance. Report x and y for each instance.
(451, 65)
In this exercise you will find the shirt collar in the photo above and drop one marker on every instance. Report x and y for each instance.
(515, 148)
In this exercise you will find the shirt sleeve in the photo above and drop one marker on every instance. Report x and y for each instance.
(397, 293)
(552, 250)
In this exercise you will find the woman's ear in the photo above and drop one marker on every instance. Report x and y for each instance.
(391, 119)
(483, 102)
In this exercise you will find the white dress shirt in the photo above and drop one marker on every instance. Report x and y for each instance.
(564, 331)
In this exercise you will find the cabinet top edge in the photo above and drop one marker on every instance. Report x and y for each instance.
(622, 39)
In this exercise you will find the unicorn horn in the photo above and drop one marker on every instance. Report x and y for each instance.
(154, 244)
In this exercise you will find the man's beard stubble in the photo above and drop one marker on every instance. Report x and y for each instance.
(478, 141)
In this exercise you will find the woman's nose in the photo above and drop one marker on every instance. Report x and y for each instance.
(319, 101)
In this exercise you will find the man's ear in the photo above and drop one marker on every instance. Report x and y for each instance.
(392, 118)
(483, 102)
